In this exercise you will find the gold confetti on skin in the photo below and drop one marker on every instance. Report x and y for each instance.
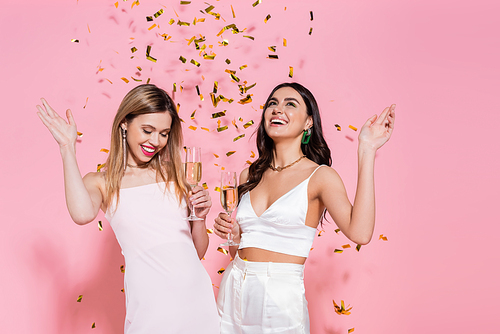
(222, 128)
(93, 325)
(99, 225)
(338, 127)
(122, 269)
(358, 247)
(194, 62)
(272, 48)
(338, 251)
(230, 153)
(222, 250)
(267, 18)
(126, 80)
(350, 330)
(239, 137)
(249, 37)
(158, 13)
(221, 271)
(353, 128)
(154, 25)
(341, 309)
(192, 127)
(310, 31)
(312, 17)
(219, 114)
(232, 11)
(284, 42)
(337, 230)
(75, 41)
(273, 57)
(256, 3)
(290, 72)
(248, 124)
(148, 57)
(181, 58)
(79, 299)
(210, 231)
(346, 246)
(382, 237)
(79, 134)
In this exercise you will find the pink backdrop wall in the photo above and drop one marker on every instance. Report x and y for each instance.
(437, 179)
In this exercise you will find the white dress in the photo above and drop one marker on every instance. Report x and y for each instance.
(167, 288)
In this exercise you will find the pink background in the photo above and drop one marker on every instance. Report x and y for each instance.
(437, 179)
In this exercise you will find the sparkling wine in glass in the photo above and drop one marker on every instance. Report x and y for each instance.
(229, 199)
(192, 170)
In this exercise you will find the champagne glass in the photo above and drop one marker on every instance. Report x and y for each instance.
(192, 170)
(229, 199)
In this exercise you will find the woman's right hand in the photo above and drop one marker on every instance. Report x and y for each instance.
(224, 224)
(63, 132)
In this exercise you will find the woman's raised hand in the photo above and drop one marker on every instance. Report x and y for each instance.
(224, 224)
(63, 132)
(377, 130)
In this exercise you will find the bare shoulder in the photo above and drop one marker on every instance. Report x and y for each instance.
(244, 176)
(95, 180)
(325, 177)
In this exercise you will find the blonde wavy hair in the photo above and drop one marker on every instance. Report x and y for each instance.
(146, 99)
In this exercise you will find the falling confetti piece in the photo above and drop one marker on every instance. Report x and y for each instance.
(215, 155)
(342, 309)
(126, 80)
(290, 72)
(252, 155)
(93, 325)
(353, 128)
(204, 185)
(181, 58)
(99, 166)
(206, 129)
(138, 80)
(192, 127)
(122, 269)
(194, 62)
(232, 10)
(219, 114)
(350, 330)
(256, 3)
(149, 18)
(79, 134)
(239, 137)
(267, 18)
(320, 232)
(75, 41)
(228, 61)
(192, 115)
(249, 162)
(181, 23)
(172, 21)
(210, 231)
(148, 57)
(133, 49)
(246, 99)
(222, 128)
(284, 42)
(154, 25)
(185, 2)
(346, 246)
(230, 153)
(139, 68)
(337, 230)
(222, 250)
(358, 247)
(217, 188)
(79, 299)
(116, 4)
(338, 251)
(242, 67)
(99, 225)
(310, 31)
(338, 127)
(382, 237)
(87, 101)
(248, 124)
(221, 271)
(249, 37)
(243, 88)
(312, 17)
(273, 56)
(158, 13)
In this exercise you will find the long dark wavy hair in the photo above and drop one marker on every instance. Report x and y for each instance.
(317, 150)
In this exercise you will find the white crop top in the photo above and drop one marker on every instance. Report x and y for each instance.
(281, 228)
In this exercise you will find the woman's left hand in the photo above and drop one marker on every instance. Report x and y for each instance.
(377, 130)
(201, 201)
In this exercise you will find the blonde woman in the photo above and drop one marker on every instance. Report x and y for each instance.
(143, 193)
(283, 196)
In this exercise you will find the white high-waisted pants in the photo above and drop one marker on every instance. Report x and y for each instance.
(263, 297)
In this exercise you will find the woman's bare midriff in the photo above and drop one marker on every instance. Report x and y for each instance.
(261, 255)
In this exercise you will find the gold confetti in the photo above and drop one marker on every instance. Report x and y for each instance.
(133, 49)
(350, 330)
(204, 185)
(222, 128)
(75, 41)
(312, 18)
(242, 67)
(93, 325)
(148, 57)
(382, 237)
(79, 134)
(206, 129)
(358, 247)
(290, 72)
(267, 18)
(222, 250)
(239, 137)
(252, 155)
(181, 58)
(99, 166)
(210, 231)
(273, 56)
(353, 128)
(248, 124)
(181, 23)
(116, 4)
(272, 48)
(126, 80)
(232, 10)
(342, 309)
(249, 37)
(105, 150)
(135, 3)
(256, 3)
(230, 153)
(249, 162)
(192, 127)
(87, 101)
(221, 271)
(320, 232)
(246, 99)
(228, 61)
(139, 68)
(243, 88)
(337, 230)
(122, 269)
(158, 13)
(154, 25)
(338, 127)
(172, 21)
(346, 246)
(149, 18)
(194, 62)
(209, 56)
(185, 2)
(139, 80)
(217, 188)
(284, 42)
(79, 299)
(219, 114)
(224, 42)
(310, 31)
(338, 251)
